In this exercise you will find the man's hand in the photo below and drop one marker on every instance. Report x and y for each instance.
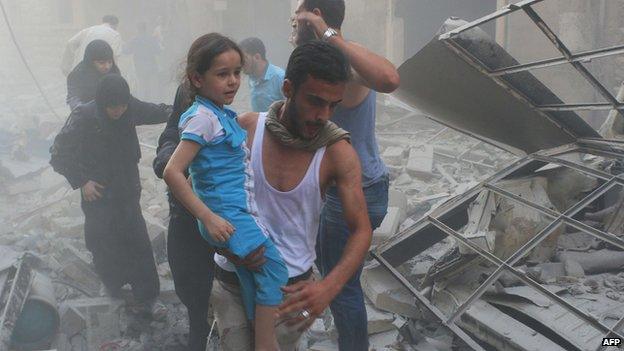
(308, 295)
(218, 228)
(311, 19)
(91, 191)
(253, 261)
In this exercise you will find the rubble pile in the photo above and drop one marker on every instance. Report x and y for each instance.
(428, 164)
(41, 215)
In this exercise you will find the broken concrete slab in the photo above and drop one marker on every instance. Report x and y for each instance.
(76, 266)
(397, 205)
(420, 162)
(379, 321)
(503, 332)
(100, 317)
(383, 341)
(387, 294)
(394, 155)
(595, 262)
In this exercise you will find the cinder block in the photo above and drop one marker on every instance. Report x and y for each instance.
(420, 162)
(379, 321)
(101, 316)
(389, 226)
(77, 267)
(387, 294)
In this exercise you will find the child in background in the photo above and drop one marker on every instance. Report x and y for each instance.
(213, 148)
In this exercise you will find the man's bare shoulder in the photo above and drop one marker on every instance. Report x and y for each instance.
(248, 120)
(342, 156)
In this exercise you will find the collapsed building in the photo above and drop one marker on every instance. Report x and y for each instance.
(509, 218)
(532, 257)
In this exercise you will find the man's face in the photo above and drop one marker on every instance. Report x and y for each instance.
(311, 106)
(249, 65)
(115, 112)
(103, 66)
(300, 34)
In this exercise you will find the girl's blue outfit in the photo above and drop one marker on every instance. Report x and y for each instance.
(222, 179)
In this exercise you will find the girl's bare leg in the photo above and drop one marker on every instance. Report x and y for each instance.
(264, 327)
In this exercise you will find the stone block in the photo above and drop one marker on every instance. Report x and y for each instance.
(389, 226)
(379, 321)
(420, 162)
(72, 320)
(387, 294)
(77, 267)
(102, 320)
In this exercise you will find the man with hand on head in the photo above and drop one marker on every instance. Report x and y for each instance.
(322, 19)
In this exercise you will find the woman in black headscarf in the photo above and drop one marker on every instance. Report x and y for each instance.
(82, 82)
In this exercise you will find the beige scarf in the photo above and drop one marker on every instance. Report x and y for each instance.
(329, 134)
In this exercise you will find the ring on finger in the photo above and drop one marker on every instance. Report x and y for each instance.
(306, 314)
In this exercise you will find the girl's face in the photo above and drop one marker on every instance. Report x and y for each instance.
(103, 66)
(221, 82)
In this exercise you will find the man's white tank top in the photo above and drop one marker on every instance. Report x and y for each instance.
(291, 217)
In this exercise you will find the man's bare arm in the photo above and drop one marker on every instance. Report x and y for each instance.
(349, 184)
(316, 296)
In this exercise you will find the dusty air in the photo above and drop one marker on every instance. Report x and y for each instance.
(351, 175)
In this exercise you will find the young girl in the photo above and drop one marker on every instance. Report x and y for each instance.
(82, 82)
(213, 148)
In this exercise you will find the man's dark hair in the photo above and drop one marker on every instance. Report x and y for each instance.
(110, 19)
(332, 11)
(253, 46)
(319, 60)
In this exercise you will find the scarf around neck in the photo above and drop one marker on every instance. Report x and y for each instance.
(328, 135)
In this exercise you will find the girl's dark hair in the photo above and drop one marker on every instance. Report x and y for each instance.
(203, 51)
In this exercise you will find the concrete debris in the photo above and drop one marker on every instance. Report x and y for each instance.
(91, 323)
(397, 204)
(76, 266)
(597, 261)
(420, 162)
(379, 321)
(387, 294)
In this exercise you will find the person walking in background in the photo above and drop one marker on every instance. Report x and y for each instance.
(265, 79)
(98, 151)
(83, 80)
(75, 48)
(145, 49)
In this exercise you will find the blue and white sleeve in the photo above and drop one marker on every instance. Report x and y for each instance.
(201, 128)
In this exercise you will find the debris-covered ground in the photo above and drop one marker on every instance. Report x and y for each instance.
(41, 215)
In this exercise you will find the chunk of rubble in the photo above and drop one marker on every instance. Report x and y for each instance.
(76, 266)
(394, 155)
(383, 341)
(420, 162)
(397, 205)
(379, 321)
(387, 294)
(96, 320)
(595, 262)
